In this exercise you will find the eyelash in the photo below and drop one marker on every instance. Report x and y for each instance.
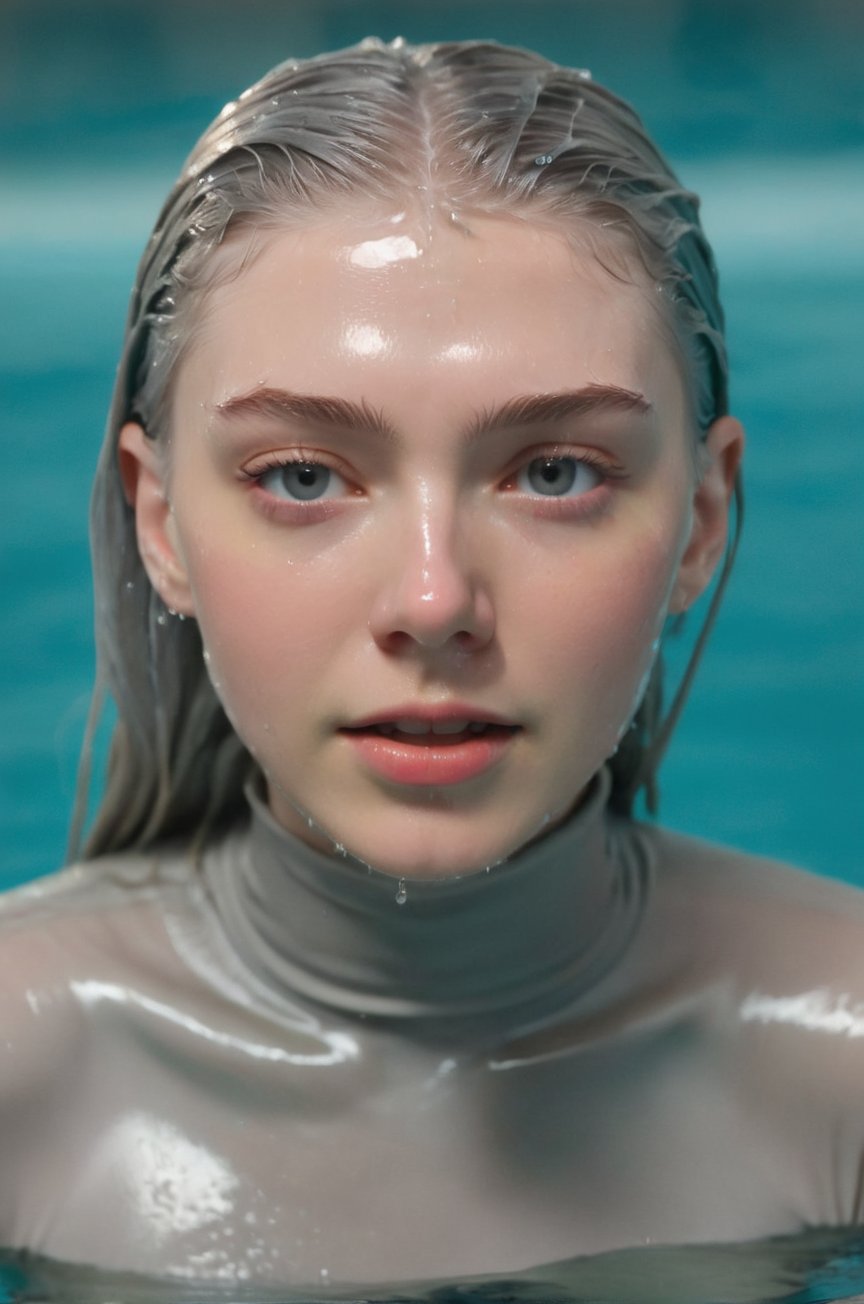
(548, 504)
(277, 507)
(605, 470)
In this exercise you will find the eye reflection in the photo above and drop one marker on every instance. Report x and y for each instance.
(557, 476)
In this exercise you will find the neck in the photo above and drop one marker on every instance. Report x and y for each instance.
(515, 943)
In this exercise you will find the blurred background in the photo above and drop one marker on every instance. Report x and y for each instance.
(760, 105)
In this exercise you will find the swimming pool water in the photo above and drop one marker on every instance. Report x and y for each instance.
(819, 1266)
(762, 108)
(761, 105)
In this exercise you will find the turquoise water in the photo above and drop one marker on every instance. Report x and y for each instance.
(762, 108)
(818, 1266)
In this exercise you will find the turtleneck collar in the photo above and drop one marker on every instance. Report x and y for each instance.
(519, 941)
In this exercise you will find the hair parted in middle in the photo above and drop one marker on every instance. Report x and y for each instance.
(459, 128)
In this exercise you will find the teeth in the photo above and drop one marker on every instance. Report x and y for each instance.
(421, 727)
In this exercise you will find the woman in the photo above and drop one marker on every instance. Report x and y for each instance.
(368, 974)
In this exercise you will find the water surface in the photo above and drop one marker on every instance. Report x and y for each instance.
(815, 1267)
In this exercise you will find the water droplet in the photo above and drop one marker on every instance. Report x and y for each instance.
(130, 584)
(162, 618)
(324, 1274)
(401, 893)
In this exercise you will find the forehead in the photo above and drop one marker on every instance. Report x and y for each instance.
(447, 305)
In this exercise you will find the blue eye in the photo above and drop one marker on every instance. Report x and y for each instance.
(558, 477)
(302, 481)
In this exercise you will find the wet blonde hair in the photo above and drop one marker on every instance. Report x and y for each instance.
(465, 126)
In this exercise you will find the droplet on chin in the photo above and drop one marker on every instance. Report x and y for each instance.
(401, 893)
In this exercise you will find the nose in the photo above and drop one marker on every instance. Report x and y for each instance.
(431, 594)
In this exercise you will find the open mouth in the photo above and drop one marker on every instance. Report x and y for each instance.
(438, 733)
(416, 752)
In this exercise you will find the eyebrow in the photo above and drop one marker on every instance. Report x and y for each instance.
(314, 409)
(522, 410)
(537, 409)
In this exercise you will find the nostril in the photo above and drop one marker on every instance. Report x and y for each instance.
(455, 611)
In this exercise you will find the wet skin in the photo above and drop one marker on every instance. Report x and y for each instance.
(257, 1065)
(519, 568)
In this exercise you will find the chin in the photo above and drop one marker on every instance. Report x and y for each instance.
(437, 853)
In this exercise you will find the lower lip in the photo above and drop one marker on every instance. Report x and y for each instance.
(432, 760)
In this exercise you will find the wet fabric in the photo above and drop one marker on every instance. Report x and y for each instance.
(264, 1067)
(816, 1266)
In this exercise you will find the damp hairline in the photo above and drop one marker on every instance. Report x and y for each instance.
(247, 236)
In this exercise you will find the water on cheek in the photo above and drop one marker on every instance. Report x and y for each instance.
(208, 666)
(641, 689)
(216, 682)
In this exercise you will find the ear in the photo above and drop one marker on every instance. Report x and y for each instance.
(722, 451)
(143, 473)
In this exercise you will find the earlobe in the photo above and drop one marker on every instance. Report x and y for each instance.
(712, 497)
(142, 471)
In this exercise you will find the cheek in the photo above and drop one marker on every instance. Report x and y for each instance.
(598, 620)
(268, 627)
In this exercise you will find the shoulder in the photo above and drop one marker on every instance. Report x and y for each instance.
(782, 949)
(773, 921)
(59, 936)
(87, 897)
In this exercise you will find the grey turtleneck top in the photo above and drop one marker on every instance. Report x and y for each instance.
(265, 1067)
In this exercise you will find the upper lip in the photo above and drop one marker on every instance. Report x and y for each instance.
(431, 715)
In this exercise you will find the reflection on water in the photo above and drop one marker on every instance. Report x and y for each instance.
(813, 1268)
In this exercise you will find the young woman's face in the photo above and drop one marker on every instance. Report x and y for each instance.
(432, 495)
